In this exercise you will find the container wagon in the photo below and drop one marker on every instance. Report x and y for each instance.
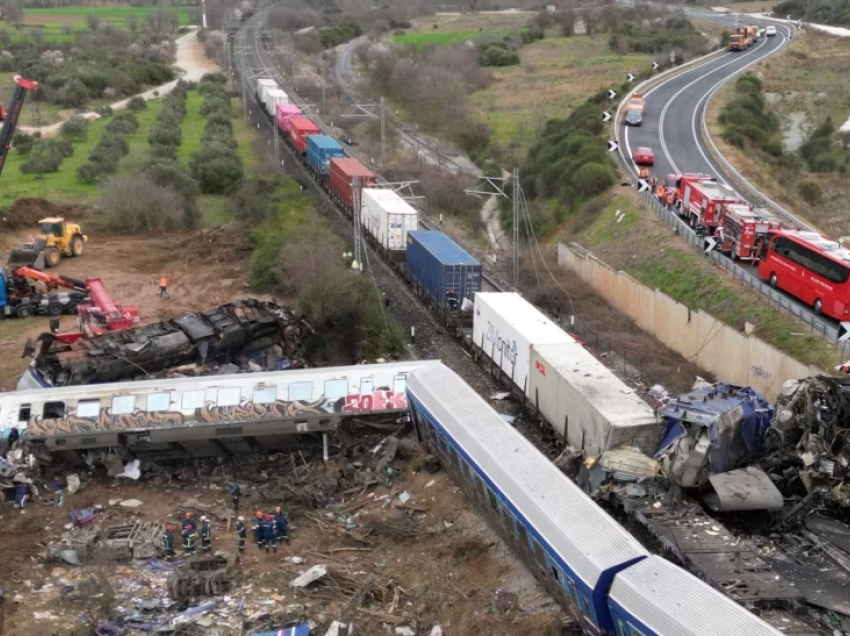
(442, 272)
(283, 114)
(387, 219)
(299, 130)
(262, 86)
(320, 150)
(272, 98)
(504, 329)
(342, 172)
(586, 403)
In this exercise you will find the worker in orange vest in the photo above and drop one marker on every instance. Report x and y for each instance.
(671, 199)
(643, 173)
(163, 287)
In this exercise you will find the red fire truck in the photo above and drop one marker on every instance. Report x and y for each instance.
(699, 199)
(742, 229)
(671, 183)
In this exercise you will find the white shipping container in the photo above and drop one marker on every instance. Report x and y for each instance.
(273, 97)
(586, 403)
(263, 85)
(505, 326)
(387, 217)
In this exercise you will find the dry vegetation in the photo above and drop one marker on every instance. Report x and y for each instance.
(803, 86)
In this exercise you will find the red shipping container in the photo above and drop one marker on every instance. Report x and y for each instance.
(299, 130)
(342, 172)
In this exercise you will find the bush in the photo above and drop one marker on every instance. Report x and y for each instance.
(215, 167)
(45, 157)
(75, 128)
(498, 56)
(105, 111)
(810, 191)
(216, 103)
(24, 142)
(122, 124)
(89, 172)
(747, 121)
(73, 94)
(136, 203)
(164, 151)
(165, 135)
(252, 202)
(137, 103)
(340, 34)
(170, 174)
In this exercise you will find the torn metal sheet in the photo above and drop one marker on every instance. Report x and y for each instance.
(747, 488)
(629, 464)
(310, 576)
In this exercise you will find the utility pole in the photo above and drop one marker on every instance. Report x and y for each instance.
(276, 135)
(515, 201)
(371, 111)
(245, 97)
(383, 136)
(355, 194)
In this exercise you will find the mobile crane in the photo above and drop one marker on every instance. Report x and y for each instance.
(20, 297)
(9, 116)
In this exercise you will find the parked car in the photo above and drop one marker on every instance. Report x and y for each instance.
(770, 31)
(644, 156)
(633, 118)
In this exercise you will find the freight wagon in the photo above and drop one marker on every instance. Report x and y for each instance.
(320, 150)
(586, 403)
(387, 218)
(299, 130)
(262, 86)
(504, 329)
(442, 272)
(342, 173)
(272, 98)
(283, 114)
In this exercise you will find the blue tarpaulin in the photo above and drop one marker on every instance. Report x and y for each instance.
(736, 418)
(302, 629)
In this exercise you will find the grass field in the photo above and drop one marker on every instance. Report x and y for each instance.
(441, 38)
(640, 246)
(63, 186)
(555, 76)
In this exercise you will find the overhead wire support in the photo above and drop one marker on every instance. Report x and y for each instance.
(372, 111)
(490, 186)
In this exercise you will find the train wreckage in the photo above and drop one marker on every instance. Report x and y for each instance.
(262, 335)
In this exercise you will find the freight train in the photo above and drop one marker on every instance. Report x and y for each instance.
(582, 556)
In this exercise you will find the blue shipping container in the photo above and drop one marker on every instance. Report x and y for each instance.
(320, 150)
(438, 266)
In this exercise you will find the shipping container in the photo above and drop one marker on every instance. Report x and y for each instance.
(299, 129)
(272, 98)
(506, 326)
(342, 172)
(439, 266)
(320, 150)
(387, 218)
(285, 112)
(586, 403)
(262, 86)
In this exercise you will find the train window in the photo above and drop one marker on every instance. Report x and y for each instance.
(300, 391)
(621, 628)
(192, 400)
(538, 552)
(53, 410)
(24, 413)
(229, 396)
(635, 631)
(335, 389)
(523, 535)
(122, 405)
(399, 384)
(367, 386)
(158, 402)
(555, 574)
(88, 408)
(266, 395)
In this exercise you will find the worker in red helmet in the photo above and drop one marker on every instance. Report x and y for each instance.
(187, 521)
(168, 543)
(269, 536)
(258, 528)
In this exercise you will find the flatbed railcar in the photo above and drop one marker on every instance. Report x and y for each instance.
(589, 563)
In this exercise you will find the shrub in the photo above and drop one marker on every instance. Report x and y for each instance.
(217, 103)
(45, 157)
(165, 135)
(75, 128)
(137, 103)
(498, 56)
(135, 203)
(73, 94)
(169, 174)
(24, 142)
(105, 111)
(88, 172)
(215, 167)
(746, 119)
(810, 191)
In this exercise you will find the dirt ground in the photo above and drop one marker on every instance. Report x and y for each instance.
(433, 559)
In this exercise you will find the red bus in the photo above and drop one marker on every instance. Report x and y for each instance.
(810, 267)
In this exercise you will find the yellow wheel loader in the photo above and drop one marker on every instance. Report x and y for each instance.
(57, 239)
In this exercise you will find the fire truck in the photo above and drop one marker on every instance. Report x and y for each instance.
(671, 183)
(743, 229)
(698, 200)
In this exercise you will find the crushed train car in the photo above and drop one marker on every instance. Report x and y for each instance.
(262, 331)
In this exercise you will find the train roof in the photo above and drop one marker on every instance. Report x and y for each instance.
(589, 541)
(669, 600)
(389, 200)
(528, 321)
(442, 247)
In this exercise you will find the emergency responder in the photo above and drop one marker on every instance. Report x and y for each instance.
(206, 534)
(269, 538)
(643, 172)
(653, 182)
(451, 298)
(240, 534)
(187, 521)
(659, 192)
(190, 536)
(258, 528)
(163, 287)
(281, 525)
(671, 200)
(22, 494)
(168, 543)
(235, 493)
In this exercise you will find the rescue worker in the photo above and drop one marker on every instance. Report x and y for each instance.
(206, 534)
(281, 525)
(643, 172)
(671, 200)
(258, 528)
(22, 494)
(269, 538)
(168, 543)
(653, 182)
(187, 521)
(190, 535)
(163, 287)
(14, 436)
(659, 192)
(240, 534)
(235, 493)
(451, 297)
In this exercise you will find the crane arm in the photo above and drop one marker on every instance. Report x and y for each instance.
(51, 281)
(10, 116)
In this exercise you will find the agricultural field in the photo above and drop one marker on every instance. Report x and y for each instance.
(440, 38)
(555, 75)
(63, 187)
(647, 250)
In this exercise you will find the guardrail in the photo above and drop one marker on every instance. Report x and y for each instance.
(774, 297)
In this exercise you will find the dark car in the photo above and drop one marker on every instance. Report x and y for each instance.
(633, 118)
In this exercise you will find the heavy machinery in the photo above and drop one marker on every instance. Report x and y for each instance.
(19, 295)
(9, 116)
(58, 238)
(744, 229)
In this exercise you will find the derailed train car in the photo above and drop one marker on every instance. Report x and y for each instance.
(589, 563)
